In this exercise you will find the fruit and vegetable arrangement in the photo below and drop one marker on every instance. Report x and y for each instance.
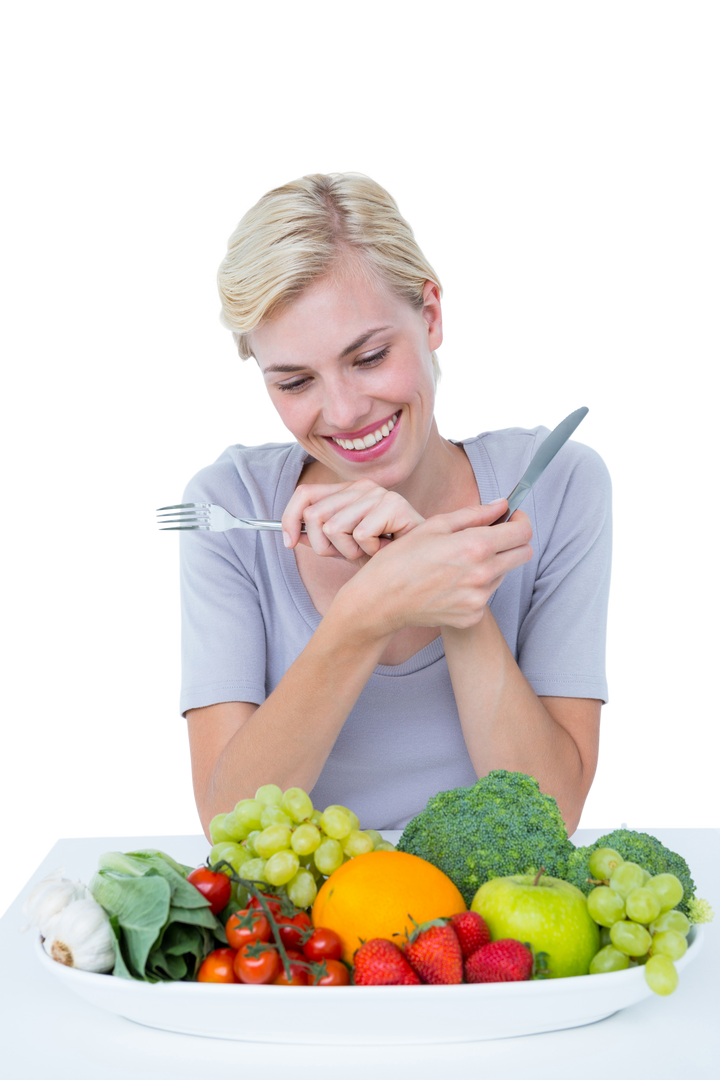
(484, 886)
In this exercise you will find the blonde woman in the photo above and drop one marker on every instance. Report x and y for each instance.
(373, 672)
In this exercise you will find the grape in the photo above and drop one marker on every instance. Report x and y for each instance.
(385, 846)
(669, 943)
(354, 821)
(305, 839)
(375, 836)
(605, 905)
(273, 815)
(608, 959)
(626, 877)
(661, 975)
(281, 867)
(232, 853)
(249, 843)
(269, 795)
(329, 856)
(642, 905)
(668, 889)
(671, 920)
(316, 818)
(302, 889)
(297, 804)
(603, 861)
(630, 938)
(247, 814)
(335, 823)
(254, 869)
(357, 843)
(217, 831)
(271, 840)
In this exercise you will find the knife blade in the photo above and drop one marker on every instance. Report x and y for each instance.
(545, 453)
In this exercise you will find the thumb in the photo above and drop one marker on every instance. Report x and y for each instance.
(472, 517)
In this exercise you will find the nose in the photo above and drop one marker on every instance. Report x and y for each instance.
(344, 409)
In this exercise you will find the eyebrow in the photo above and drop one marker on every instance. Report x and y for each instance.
(346, 352)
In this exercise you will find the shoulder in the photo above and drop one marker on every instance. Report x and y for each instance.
(244, 478)
(510, 450)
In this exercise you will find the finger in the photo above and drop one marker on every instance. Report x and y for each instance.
(327, 497)
(471, 517)
(303, 496)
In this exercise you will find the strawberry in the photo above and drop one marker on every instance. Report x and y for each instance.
(380, 962)
(434, 952)
(472, 931)
(500, 961)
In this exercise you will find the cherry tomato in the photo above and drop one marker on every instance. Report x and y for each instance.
(217, 967)
(257, 970)
(337, 975)
(271, 901)
(214, 887)
(324, 944)
(257, 928)
(299, 973)
(292, 930)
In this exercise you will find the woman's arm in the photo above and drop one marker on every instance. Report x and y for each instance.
(507, 726)
(237, 746)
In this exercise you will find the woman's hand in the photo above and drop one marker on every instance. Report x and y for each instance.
(347, 520)
(443, 572)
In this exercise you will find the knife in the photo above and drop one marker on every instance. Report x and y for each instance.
(547, 451)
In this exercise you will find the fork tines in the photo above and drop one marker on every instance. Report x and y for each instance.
(195, 516)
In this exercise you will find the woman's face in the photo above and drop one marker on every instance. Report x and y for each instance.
(351, 363)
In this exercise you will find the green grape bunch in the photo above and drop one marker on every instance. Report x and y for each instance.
(279, 838)
(639, 920)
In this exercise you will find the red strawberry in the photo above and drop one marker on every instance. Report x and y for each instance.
(472, 931)
(500, 961)
(434, 952)
(380, 962)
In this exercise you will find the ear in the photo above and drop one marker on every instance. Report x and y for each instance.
(432, 313)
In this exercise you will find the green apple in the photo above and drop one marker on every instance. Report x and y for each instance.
(551, 916)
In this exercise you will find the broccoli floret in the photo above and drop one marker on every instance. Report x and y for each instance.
(501, 825)
(700, 911)
(637, 847)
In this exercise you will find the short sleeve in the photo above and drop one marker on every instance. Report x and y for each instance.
(561, 641)
(223, 633)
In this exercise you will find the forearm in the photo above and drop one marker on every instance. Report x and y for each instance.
(505, 724)
(287, 739)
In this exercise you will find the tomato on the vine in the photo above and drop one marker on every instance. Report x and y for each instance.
(214, 887)
(337, 975)
(293, 930)
(298, 972)
(246, 926)
(324, 944)
(257, 969)
(217, 967)
(272, 902)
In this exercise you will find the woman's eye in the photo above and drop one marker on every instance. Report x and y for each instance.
(363, 363)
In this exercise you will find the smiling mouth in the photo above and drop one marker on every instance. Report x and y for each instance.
(371, 439)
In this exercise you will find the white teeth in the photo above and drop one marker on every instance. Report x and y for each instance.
(369, 440)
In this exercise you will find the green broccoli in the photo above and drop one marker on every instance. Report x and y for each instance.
(637, 847)
(502, 825)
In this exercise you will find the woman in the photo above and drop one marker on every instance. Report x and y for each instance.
(375, 672)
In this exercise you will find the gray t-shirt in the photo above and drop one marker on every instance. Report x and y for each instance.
(246, 616)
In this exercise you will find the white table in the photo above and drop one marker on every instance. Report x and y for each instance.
(47, 1032)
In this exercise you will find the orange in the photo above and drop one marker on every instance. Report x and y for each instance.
(379, 894)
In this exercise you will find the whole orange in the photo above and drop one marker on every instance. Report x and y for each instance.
(379, 895)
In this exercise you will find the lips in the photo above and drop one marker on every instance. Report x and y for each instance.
(364, 431)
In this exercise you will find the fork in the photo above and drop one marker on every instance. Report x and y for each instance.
(211, 517)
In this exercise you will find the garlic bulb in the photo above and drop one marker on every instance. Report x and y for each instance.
(81, 937)
(48, 899)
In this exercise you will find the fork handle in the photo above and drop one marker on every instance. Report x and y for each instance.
(262, 523)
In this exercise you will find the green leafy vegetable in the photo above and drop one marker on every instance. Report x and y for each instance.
(163, 925)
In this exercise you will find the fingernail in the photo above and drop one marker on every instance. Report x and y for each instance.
(494, 501)
(286, 539)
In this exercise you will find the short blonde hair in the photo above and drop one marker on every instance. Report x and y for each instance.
(319, 225)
